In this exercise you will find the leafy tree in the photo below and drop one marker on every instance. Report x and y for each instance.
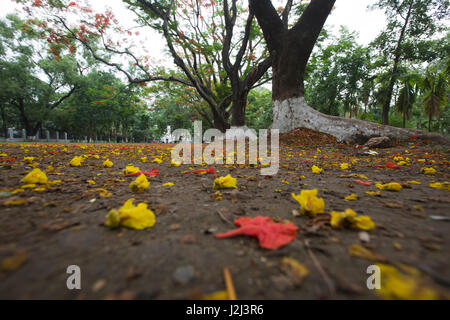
(31, 80)
(259, 115)
(216, 51)
(406, 97)
(103, 106)
(338, 76)
(410, 22)
(435, 86)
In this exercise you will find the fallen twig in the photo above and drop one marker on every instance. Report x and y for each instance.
(322, 272)
(229, 284)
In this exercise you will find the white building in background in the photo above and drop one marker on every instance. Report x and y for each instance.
(168, 137)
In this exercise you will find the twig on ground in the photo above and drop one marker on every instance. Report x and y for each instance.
(322, 272)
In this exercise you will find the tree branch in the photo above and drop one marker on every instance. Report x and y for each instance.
(269, 21)
(64, 97)
(285, 15)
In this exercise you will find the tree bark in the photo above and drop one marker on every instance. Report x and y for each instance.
(290, 49)
(5, 126)
(238, 111)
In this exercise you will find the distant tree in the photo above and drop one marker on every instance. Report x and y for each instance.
(31, 80)
(435, 87)
(410, 24)
(215, 45)
(407, 96)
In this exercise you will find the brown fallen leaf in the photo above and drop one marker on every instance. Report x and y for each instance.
(174, 226)
(188, 239)
(124, 295)
(392, 204)
(59, 226)
(14, 262)
(159, 209)
(294, 269)
(98, 285)
(132, 273)
(360, 252)
(431, 246)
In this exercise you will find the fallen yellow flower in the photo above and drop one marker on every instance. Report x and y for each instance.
(131, 216)
(351, 197)
(373, 193)
(345, 166)
(391, 186)
(349, 219)
(315, 169)
(219, 295)
(353, 175)
(360, 252)
(430, 170)
(76, 161)
(28, 186)
(140, 184)
(295, 268)
(174, 163)
(131, 170)
(403, 285)
(107, 163)
(104, 193)
(310, 204)
(437, 185)
(168, 184)
(414, 182)
(157, 160)
(227, 182)
(35, 176)
(14, 202)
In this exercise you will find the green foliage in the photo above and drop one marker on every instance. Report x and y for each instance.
(259, 109)
(337, 77)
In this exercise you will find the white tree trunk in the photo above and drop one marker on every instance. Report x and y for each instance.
(295, 113)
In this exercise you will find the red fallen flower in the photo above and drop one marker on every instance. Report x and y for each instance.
(364, 183)
(9, 159)
(271, 235)
(153, 172)
(389, 165)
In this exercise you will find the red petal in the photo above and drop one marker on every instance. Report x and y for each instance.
(271, 235)
(391, 165)
(364, 183)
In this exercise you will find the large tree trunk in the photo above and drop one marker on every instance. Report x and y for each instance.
(290, 51)
(238, 110)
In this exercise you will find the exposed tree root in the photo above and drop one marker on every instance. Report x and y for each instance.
(295, 113)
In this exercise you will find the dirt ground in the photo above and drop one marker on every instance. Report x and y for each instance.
(180, 258)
